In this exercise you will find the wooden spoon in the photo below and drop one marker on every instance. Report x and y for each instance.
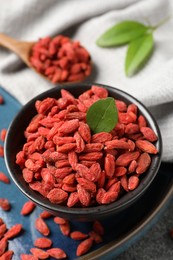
(23, 50)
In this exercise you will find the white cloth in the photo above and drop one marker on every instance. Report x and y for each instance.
(86, 21)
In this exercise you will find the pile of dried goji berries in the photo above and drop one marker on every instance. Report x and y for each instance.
(60, 59)
(69, 165)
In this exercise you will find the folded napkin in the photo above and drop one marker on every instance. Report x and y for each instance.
(86, 21)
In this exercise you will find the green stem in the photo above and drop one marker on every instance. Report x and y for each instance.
(155, 27)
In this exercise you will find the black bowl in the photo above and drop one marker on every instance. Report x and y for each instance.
(15, 140)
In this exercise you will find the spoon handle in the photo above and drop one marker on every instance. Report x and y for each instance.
(9, 42)
(22, 49)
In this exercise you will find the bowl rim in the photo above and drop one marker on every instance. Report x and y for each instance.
(103, 210)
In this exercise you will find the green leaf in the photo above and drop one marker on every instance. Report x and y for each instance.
(121, 33)
(102, 116)
(138, 53)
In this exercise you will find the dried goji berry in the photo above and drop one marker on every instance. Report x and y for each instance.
(87, 184)
(1, 151)
(99, 195)
(1, 221)
(121, 105)
(42, 227)
(77, 235)
(93, 156)
(109, 165)
(65, 228)
(43, 242)
(95, 172)
(98, 227)
(45, 214)
(4, 178)
(3, 229)
(83, 171)
(101, 137)
(97, 238)
(125, 158)
(109, 196)
(72, 199)
(5, 204)
(143, 163)
(148, 134)
(132, 166)
(117, 144)
(84, 246)
(13, 231)
(99, 91)
(73, 159)
(69, 126)
(57, 253)
(57, 196)
(3, 134)
(142, 121)
(84, 195)
(39, 253)
(133, 182)
(80, 144)
(7, 255)
(93, 147)
(27, 208)
(1, 100)
(85, 132)
(131, 128)
(146, 146)
(3, 246)
(62, 172)
(65, 148)
(59, 220)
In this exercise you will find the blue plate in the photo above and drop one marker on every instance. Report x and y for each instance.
(120, 231)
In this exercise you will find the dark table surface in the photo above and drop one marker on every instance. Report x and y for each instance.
(156, 243)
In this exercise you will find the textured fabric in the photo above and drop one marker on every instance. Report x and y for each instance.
(86, 21)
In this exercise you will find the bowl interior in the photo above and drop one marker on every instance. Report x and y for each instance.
(15, 140)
